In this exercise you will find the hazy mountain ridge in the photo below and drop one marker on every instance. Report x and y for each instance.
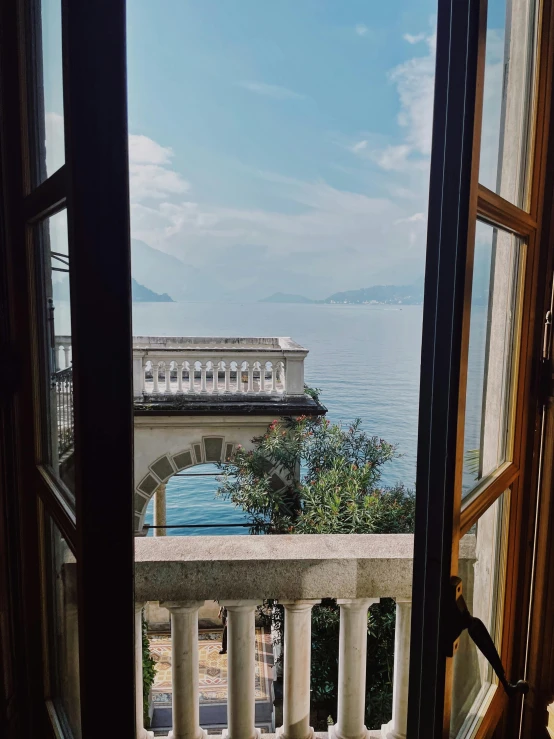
(382, 294)
(142, 294)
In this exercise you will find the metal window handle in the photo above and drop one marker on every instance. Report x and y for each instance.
(462, 619)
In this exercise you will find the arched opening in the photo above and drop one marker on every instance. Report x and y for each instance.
(191, 500)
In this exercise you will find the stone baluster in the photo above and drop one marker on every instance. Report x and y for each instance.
(160, 510)
(192, 368)
(352, 669)
(397, 727)
(66, 351)
(262, 377)
(139, 372)
(180, 367)
(241, 665)
(203, 373)
(239, 378)
(217, 367)
(274, 377)
(296, 673)
(139, 698)
(155, 377)
(227, 377)
(184, 669)
(250, 377)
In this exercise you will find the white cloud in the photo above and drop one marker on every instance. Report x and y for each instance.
(415, 218)
(272, 91)
(414, 39)
(150, 171)
(360, 146)
(361, 29)
(415, 82)
(143, 150)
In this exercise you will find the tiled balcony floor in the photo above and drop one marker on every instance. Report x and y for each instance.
(213, 680)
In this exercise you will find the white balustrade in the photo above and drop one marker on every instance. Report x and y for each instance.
(217, 366)
(62, 352)
(356, 569)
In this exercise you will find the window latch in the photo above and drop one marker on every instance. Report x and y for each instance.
(461, 620)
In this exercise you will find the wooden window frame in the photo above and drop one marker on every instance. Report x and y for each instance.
(457, 201)
(93, 186)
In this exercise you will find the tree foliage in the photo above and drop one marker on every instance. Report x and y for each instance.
(331, 484)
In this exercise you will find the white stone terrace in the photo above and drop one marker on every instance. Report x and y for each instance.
(298, 571)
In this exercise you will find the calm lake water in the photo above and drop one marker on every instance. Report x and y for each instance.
(365, 359)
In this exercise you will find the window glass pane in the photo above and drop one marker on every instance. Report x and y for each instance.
(63, 631)
(492, 350)
(53, 232)
(482, 569)
(50, 91)
(508, 98)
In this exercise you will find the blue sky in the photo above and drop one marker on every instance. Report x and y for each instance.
(294, 139)
(279, 146)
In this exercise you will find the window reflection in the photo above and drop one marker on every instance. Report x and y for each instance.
(508, 98)
(481, 567)
(53, 232)
(492, 350)
(63, 642)
(50, 90)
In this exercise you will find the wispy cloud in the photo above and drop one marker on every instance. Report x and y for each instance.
(361, 29)
(151, 175)
(360, 146)
(414, 39)
(271, 91)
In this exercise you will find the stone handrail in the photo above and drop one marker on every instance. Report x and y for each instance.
(184, 365)
(298, 571)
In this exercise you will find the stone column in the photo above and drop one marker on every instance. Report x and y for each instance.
(160, 510)
(397, 727)
(352, 669)
(241, 665)
(184, 669)
(139, 700)
(296, 677)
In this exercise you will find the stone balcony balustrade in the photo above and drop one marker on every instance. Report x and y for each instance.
(211, 366)
(358, 569)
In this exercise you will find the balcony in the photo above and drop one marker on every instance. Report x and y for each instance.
(358, 570)
(231, 376)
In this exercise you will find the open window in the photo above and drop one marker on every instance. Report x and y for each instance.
(481, 346)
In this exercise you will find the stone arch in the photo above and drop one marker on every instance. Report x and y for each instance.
(210, 448)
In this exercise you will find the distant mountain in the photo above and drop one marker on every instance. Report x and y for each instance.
(142, 294)
(164, 273)
(287, 298)
(383, 294)
(387, 294)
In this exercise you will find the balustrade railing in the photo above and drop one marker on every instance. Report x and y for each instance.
(217, 366)
(184, 365)
(297, 571)
(62, 382)
(62, 352)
